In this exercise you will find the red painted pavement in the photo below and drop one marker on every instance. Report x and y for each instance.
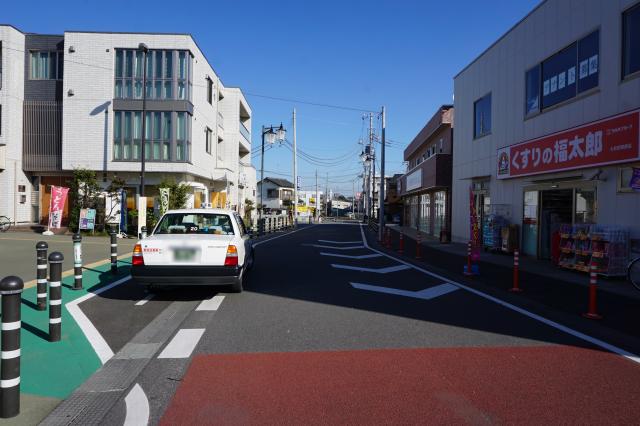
(523, 385)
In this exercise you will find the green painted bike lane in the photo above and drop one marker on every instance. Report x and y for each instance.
(56, 369)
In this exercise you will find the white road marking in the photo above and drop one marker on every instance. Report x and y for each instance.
(211, 304)
(137, 407)
(611, 348)
(347, 256)
(145, 300)
(283, 235)
(99, 345)
(183, 343)
(339, 242)
(386, 270)
(333, 247)
(426, 294)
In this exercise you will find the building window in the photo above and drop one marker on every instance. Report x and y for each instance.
(532, 82)
(45, 65)
(167, 73)
(624, 178)
(210, 91)
(208, 135)
(272, 193)
(163, 140)
(631, 41)
(575, 69)
(482, 116)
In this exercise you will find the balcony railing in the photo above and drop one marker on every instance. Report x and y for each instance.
(220, 120)
(245, 132)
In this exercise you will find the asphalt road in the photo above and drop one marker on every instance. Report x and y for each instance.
(330, 331)
(18, 251)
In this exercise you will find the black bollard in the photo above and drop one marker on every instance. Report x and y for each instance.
(114, 253)
(55, 296)
(77, 261)
(11, 289)
(41, 275)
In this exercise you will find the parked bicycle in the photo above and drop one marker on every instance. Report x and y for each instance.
(633, 272)
(5, 223)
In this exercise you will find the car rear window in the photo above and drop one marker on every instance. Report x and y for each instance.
(195, 223)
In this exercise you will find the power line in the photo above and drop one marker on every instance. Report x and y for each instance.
(318, 104)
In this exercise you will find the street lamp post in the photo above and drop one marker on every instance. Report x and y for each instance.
(143, 47)
(271, 136)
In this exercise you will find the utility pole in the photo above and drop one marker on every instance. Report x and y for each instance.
(353, 198)
(382, 181)
(326, 197)
(317, 199)
(372, 168)
(295, 173)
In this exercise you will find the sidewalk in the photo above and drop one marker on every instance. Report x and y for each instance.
(51, 371)
(542, 282)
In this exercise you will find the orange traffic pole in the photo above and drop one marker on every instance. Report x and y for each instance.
(418, 242)
(593, 287)
(468, 271)
(516, 273)
(401, 244)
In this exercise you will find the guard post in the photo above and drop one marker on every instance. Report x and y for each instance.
(41, 275)
(55, 296)
(11, 289)
(77, 261)
(114, 253)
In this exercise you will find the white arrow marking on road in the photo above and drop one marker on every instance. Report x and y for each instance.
(211, 304)
(426, 294)
(183, 343)
(340, 242)
(376, 270)
(334, 248)
(348, 256)
(145, 300)
(137, 407)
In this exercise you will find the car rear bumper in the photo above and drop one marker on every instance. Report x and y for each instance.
(189, 275)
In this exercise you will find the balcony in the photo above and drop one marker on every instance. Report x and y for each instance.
(245, 141)
(434, 172)
(220, 126)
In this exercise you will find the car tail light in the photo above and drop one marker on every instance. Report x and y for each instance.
(232, 256)
(137, 259)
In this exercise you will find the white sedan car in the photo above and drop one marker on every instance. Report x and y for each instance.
(194, 246)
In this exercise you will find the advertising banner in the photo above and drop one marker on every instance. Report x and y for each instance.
(56, 207)
(609, 141)
(87, 219)
(164, 200)
(474, 232)
(634, 183)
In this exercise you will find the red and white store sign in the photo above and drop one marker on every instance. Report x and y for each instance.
(609, 141)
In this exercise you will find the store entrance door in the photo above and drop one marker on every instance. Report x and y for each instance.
(556, 209)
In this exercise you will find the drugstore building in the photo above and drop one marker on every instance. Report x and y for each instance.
(547, 127)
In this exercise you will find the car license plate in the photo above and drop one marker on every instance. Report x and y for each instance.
(184, 254)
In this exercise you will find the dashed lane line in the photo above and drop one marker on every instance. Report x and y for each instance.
(339, 242)
(348, 256)
(426, 294)
(211, 304)
(183, 343)
(145, 300)
(334, 247)
(386, 270)
(597, 342)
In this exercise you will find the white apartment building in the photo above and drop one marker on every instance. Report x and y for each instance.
(15, 184)
(83, 96)
(547, 124)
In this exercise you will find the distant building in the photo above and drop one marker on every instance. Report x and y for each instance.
(275, 193)
(426, 186)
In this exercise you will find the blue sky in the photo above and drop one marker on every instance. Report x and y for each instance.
(362, 54)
